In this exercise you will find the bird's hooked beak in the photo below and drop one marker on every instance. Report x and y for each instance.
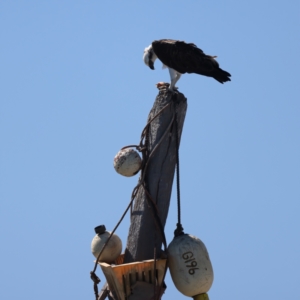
(151, 64)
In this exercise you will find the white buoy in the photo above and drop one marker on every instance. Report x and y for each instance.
(112, 250)
(127, 162)
(190, 266)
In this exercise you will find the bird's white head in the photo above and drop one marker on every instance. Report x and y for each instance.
(149, 57)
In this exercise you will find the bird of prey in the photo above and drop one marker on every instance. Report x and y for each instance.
(180, 58)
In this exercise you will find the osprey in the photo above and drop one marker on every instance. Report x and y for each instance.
(180, 58)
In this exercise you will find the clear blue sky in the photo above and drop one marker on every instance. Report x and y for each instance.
(74, 90)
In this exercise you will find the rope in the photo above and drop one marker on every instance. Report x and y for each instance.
(179, 228)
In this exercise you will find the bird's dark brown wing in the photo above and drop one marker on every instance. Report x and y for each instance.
(187, 58)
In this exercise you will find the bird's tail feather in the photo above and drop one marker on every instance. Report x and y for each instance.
(222, 76)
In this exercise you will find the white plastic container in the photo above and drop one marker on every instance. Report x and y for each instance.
(190, 266)
(112, 250)
(127, 162)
